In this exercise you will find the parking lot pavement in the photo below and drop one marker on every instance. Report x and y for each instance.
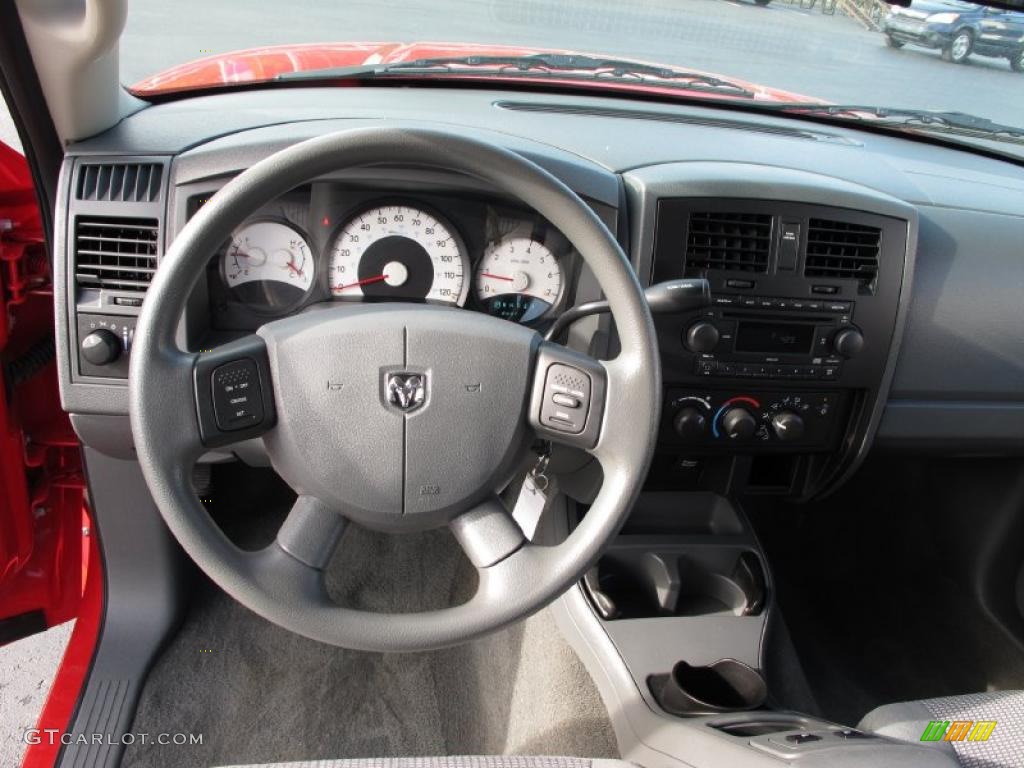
(27, 668)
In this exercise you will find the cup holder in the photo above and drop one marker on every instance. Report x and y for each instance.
(622, 588)
(703, 591)
(633, 584)
(727, 685)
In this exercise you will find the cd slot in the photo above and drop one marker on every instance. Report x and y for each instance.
(774, 318)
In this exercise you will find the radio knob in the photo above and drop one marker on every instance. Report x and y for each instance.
(787, 426)
(701, 337)
(101, 347)
(690, 423)
(738, 424)
(848, 342)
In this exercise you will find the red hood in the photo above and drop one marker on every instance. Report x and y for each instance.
(263, 64)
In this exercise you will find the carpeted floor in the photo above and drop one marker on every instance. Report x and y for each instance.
(258, 693)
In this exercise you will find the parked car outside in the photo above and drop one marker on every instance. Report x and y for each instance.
(959, 30)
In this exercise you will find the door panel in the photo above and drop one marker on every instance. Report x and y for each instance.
(42, 513)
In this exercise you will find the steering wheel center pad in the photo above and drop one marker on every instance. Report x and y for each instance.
(398, 416)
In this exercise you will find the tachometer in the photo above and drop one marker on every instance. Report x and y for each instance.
(519, 279)
(400, 252)
(268, 265)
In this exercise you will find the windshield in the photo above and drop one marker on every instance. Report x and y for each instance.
(941, 55)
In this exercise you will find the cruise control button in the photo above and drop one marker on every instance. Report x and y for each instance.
(567, 401)
(237, 399)
(565, 381)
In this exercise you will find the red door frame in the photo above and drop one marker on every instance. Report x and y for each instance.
(50, 566)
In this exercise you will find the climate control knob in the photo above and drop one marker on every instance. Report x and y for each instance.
(738, 424)
(690, 423)
(701, 337)
(787, 426)
(848, 342)
(101, 347)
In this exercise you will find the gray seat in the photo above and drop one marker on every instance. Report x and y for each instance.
(1004, 746)
(470, 761)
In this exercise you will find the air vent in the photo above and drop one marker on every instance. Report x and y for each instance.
(838, 249)
(116, 253)
(730, 241)
(120, 182)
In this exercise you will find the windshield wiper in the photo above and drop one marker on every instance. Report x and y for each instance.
(558, 65)
(936, 120)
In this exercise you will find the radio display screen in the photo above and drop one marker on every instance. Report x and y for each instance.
(774, 338)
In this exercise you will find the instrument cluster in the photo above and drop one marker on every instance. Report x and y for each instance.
(324, 242)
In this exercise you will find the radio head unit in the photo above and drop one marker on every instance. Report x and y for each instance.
(775, 338)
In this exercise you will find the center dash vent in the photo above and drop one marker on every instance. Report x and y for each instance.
(116, 253)
(729, 241)
(841, 250)
(120, 182)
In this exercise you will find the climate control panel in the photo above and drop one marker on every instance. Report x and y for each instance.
(752, 421)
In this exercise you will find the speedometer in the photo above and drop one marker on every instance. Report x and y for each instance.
(399, 251)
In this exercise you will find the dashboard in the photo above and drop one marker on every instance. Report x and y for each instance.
(865, 287)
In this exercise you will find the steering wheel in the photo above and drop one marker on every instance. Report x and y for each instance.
(399, 417)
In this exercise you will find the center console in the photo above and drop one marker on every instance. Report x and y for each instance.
(777, 386)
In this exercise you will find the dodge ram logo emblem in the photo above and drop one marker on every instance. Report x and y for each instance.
(406, 391)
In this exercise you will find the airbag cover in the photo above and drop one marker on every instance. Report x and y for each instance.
(398, 460)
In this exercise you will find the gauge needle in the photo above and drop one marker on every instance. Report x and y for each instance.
(364, 281)
(294, 268)
(497, 277)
